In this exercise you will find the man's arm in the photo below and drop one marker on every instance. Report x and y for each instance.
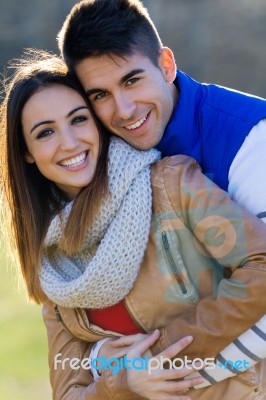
(246, 351)
(215, 321)
(247, 174)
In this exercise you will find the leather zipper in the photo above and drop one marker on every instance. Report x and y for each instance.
(173, 265)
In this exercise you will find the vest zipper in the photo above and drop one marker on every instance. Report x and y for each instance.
(173, 265)
(60, 319)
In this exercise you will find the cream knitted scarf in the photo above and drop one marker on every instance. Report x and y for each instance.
(104, 271)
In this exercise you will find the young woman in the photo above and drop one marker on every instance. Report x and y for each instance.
(97, 228)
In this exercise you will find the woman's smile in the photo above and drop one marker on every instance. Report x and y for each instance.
(62, 137)
(76, 162)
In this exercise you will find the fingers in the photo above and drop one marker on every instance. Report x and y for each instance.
(181, 386)
(120, 353)
(173, 397)
(175, 348)
(144, 345)
(184, 372)
(128, 340)
(159, 374)
(175, 373)
(193, 382)
(183, 398)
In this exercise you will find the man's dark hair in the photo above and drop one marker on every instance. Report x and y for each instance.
(108, 27)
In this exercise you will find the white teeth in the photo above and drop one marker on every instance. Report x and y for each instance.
(75, 160)
(137, 124)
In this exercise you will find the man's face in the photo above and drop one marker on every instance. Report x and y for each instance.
(132, 97)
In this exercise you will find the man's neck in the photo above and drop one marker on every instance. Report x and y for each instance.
(175, 92)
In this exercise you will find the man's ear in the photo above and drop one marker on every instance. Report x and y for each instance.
(167, 64)
(29, 159)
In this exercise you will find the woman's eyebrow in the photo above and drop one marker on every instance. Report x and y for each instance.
(39, 124)
(75, 110)
(51, 122)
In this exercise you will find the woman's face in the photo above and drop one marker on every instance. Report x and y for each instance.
(61, 137)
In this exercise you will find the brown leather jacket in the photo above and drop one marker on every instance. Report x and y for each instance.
(203, 274)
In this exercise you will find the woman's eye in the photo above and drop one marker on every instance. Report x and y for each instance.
(44, 133)
(78, 119)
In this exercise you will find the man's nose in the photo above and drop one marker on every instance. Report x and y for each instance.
(124, 107)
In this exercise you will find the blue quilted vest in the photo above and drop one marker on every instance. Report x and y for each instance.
(210, 123)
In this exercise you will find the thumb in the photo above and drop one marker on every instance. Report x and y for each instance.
(141, 347)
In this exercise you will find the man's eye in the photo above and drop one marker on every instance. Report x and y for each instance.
(132, 81)
(100, 96)
(44, 133)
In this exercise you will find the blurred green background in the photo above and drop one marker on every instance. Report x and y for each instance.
(23, 349)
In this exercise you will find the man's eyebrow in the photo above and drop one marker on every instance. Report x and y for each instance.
(132, 73)
(93, 91)
(89, 92)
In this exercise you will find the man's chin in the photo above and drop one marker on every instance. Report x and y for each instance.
(139, 143)
(145, 143)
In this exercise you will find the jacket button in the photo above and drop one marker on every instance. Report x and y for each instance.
(256, 389)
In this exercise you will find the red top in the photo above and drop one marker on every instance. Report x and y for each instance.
(114, 318)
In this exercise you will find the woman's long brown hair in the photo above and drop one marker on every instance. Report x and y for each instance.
(29, 199)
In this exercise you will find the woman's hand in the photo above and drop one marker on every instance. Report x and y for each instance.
(120, 347)
(158, 384)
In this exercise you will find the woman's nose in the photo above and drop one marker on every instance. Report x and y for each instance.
(68, 139)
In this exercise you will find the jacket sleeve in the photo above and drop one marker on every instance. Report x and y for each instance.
(240, 300)
(76, 383)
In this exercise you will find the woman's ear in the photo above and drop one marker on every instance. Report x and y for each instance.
(29, 159)
(167, 64)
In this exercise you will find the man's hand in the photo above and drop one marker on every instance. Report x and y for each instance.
(119, 347)
(158, 384)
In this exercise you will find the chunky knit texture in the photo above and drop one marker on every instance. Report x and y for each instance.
(104, 271)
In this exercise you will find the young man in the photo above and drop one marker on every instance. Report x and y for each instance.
(133, 86)
(132, 83)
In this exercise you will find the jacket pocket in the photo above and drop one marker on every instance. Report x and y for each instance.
(175, 265)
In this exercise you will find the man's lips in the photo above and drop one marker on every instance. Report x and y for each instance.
(137, 124)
